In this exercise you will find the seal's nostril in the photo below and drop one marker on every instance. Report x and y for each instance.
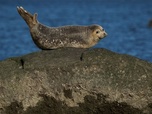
(105, 34)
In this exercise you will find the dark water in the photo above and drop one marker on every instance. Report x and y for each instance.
(124, 20)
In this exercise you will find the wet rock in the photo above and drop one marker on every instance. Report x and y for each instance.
(150, 23)
(66, 81)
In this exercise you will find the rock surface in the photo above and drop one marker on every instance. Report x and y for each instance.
(65, 81)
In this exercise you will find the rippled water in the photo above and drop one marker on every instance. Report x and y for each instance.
(124, 20)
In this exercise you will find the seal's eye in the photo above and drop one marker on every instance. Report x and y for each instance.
(102, 29)
(97, 31)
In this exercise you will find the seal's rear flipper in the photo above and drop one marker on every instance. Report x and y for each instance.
(30, 19)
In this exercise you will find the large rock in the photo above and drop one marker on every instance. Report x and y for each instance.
(65, 81)
(150, 23)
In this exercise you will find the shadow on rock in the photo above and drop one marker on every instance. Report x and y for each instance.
(91, 105)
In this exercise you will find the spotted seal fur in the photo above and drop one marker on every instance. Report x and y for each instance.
(65, 36)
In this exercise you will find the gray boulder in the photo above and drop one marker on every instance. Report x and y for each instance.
(75, 81)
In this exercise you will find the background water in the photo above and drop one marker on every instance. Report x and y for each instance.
(125, 21)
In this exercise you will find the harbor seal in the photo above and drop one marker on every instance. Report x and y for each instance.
(65, 36)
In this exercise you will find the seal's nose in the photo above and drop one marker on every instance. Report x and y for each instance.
(105, 34)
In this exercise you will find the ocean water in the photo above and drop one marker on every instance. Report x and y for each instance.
(125, 21)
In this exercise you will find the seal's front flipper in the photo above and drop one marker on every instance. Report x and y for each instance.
(30, 19)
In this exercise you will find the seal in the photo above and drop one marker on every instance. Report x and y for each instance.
(65, 36)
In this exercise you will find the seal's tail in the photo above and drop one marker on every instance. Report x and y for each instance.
(30, 19)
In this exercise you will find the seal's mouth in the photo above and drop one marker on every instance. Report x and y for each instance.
(100, 38)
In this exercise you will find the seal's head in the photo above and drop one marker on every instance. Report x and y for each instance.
(97, 33)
